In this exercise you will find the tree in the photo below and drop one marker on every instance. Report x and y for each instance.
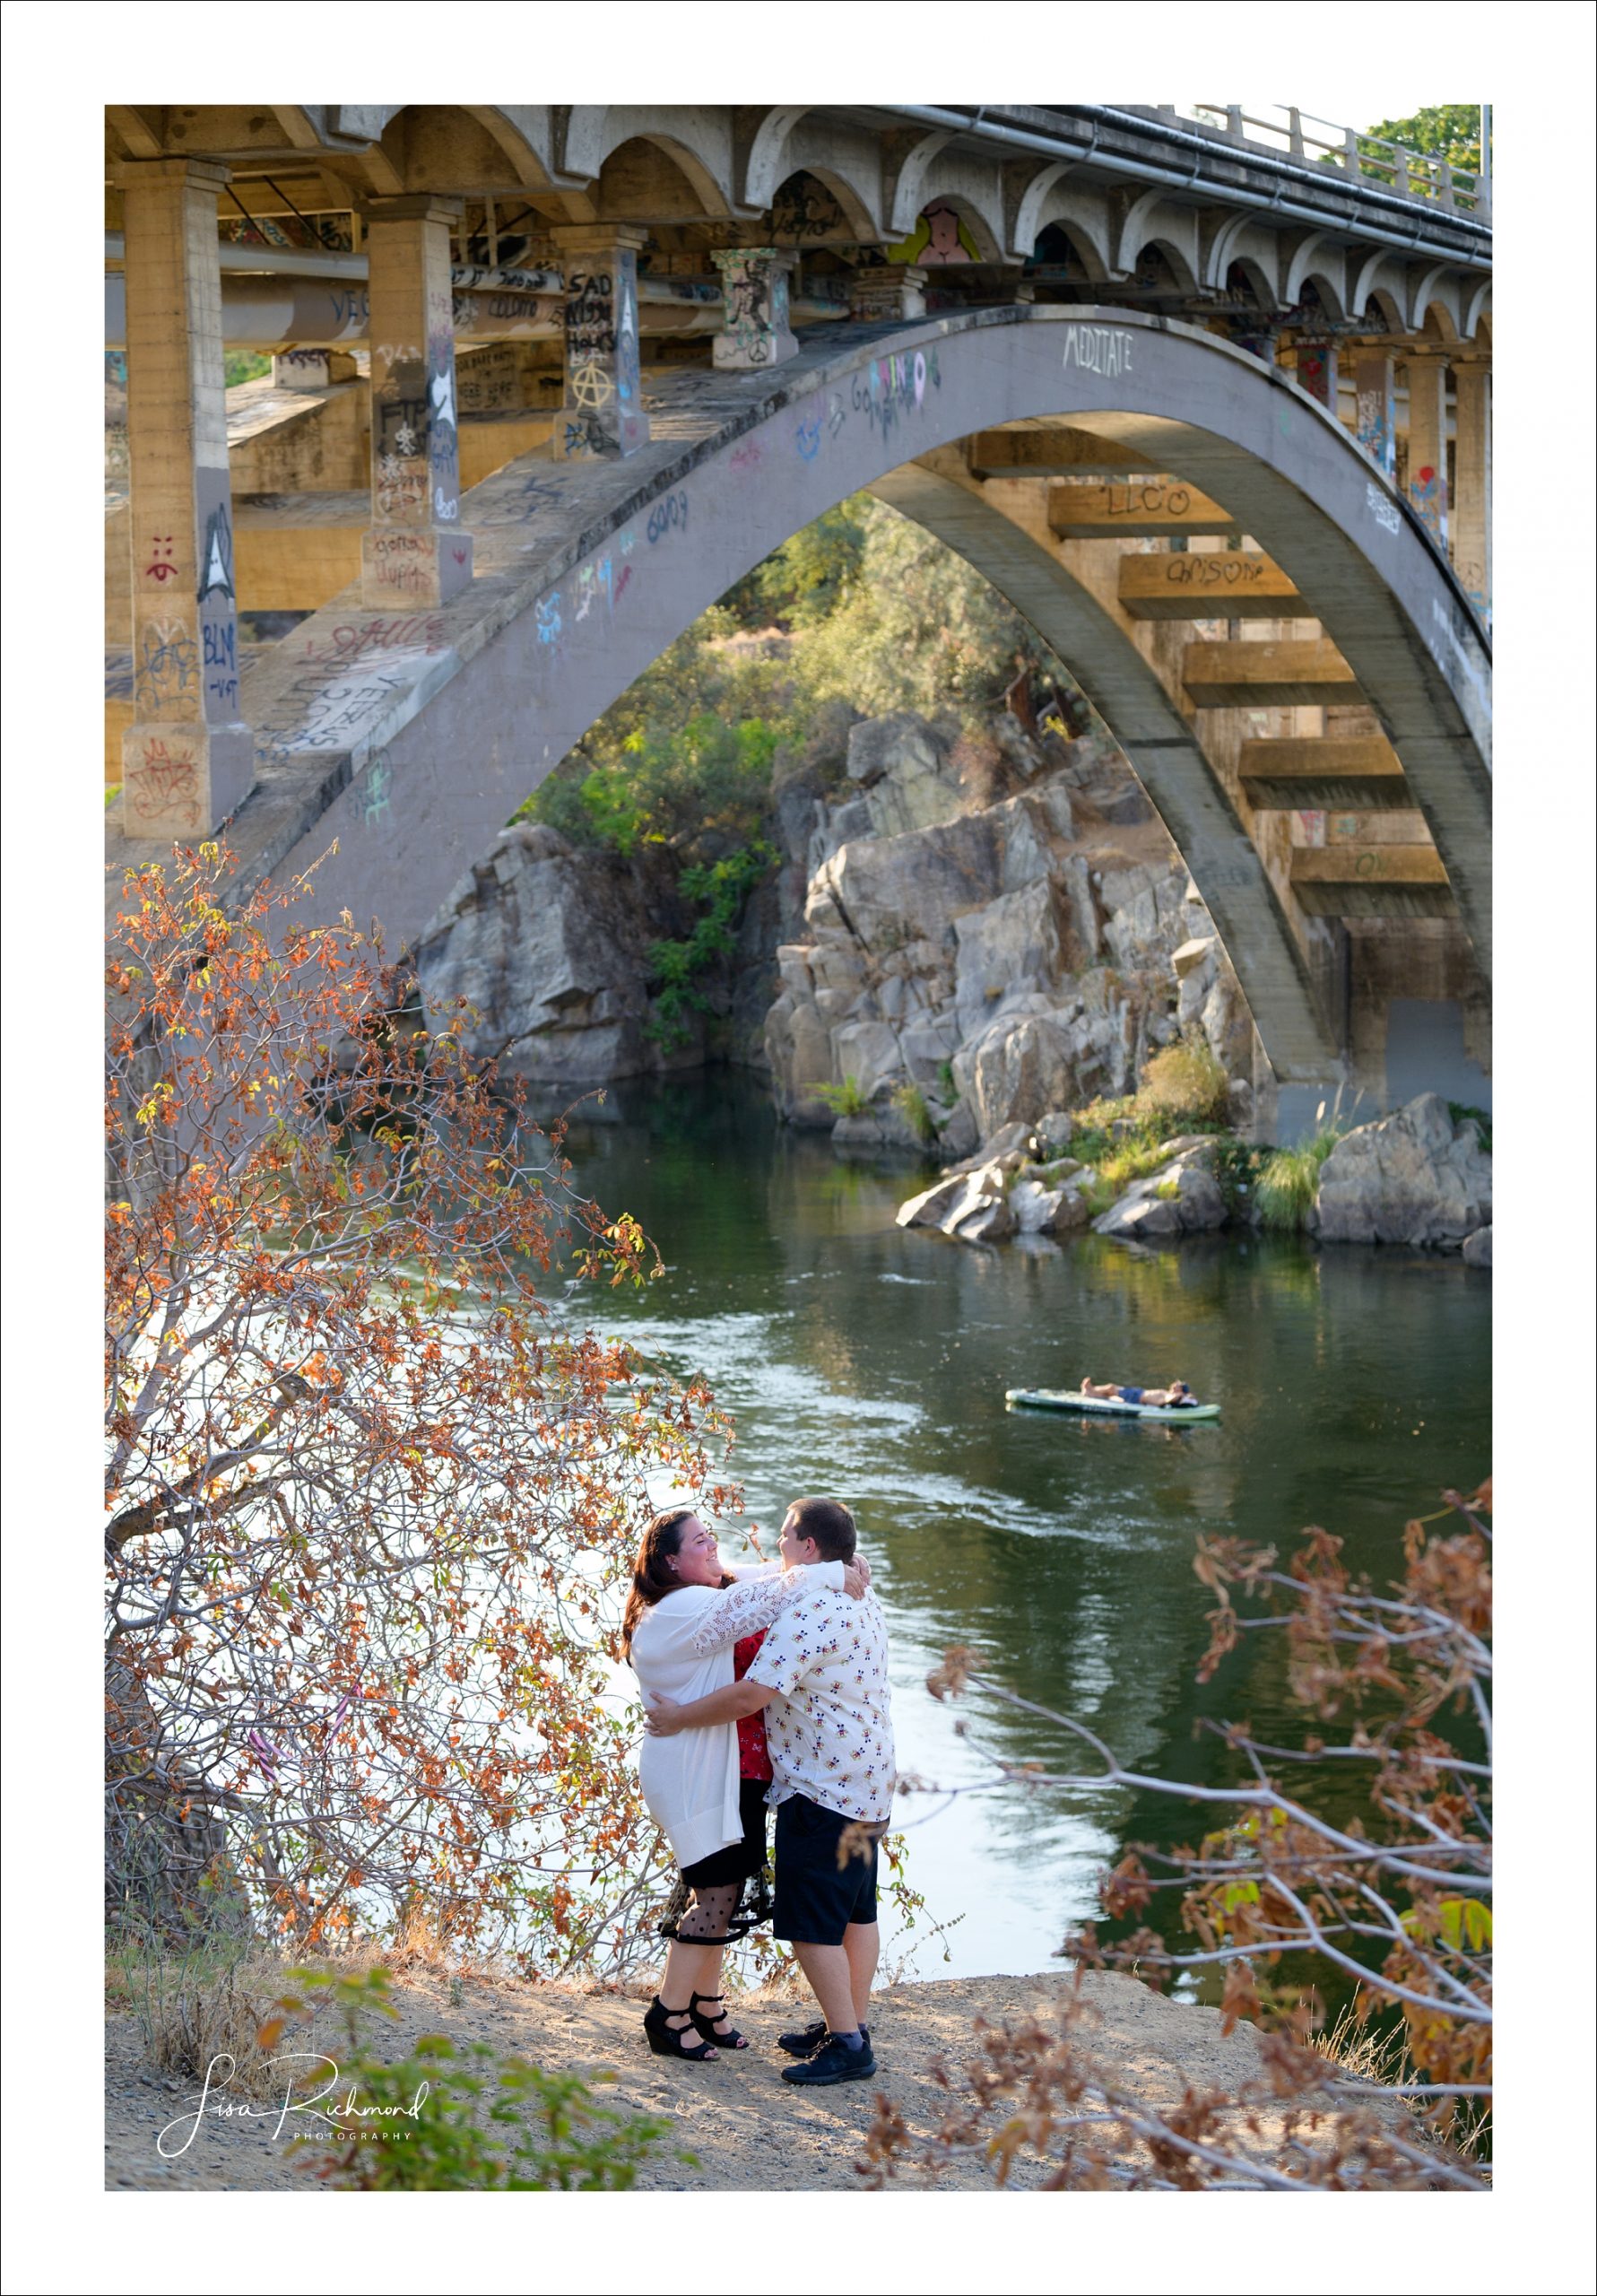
(365, 1486)
(1398, 1905)
(1450, 132)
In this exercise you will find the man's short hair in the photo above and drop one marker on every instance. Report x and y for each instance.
(828, 1523)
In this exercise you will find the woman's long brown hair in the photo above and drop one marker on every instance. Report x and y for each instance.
(652, 1576)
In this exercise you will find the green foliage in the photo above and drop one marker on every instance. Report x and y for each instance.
(1236, 1165)
(916, 629)
(1462, 1113)
(662, 786)
(805, 581)
(448, 2117)
(1450, 132)
(720, 887)
(847, 1098)
(1289, 1181)
(244, 367)
(911, 1104)
(945, 1080)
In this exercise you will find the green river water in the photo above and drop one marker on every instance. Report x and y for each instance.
(870, 1362)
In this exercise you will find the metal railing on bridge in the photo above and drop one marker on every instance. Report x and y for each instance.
(1286, 129)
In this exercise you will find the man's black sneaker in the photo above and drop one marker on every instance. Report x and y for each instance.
(813, 2038)
(833, 2061)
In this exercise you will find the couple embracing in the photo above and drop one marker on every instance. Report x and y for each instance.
(766, 1683)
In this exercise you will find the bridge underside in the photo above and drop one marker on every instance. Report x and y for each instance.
(409, 739)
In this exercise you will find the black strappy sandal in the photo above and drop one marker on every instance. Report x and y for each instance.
(706, 2025)
(666, 2040)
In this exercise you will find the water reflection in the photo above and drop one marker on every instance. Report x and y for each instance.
(872, 1362)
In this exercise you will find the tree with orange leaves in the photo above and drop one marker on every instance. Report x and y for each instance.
(366, 1485)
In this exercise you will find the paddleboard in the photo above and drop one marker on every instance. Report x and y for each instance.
(1066, 1399)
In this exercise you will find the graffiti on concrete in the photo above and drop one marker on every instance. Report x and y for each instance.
(594, 581)
(940, 236)
(1101, 350)
(547, 615)
(216, 559)
(372, 792)
(403, 561)
(590, 315)
(805, 214)
(1208, 570)
(886, 390)
(164, 785)
(1382, 509)
(168, 669)
(221, 665)
(668, 515)
(162, 567)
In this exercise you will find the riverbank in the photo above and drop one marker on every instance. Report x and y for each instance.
(749, 2129)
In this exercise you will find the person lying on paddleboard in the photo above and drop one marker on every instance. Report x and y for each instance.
(1170, 1398)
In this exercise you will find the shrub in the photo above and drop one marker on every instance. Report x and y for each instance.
(1236, 1165)
(848, 1097)
(448, 2117)
(911, 1104)
(1285, 1898)
(720, 888)
(1184, 1078)
(1289, 1181)
(1462, 1113)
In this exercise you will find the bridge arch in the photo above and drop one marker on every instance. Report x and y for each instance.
(412, 744)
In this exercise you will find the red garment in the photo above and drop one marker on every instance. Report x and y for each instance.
(753, 1759)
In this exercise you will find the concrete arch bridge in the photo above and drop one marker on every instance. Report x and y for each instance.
(1261, 619)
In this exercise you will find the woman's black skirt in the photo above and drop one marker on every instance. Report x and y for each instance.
(741, 1864)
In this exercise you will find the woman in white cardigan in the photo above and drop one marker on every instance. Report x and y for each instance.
(685, 1612)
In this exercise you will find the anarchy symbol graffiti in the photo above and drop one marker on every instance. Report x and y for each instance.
(591, 385)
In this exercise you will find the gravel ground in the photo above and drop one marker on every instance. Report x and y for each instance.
(749, 2130)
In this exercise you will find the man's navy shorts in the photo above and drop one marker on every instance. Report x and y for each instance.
(816, 1898)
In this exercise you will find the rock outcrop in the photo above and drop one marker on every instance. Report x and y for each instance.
(994, 962)
(1415, 1177)
(1183, 1198)
(551, 946)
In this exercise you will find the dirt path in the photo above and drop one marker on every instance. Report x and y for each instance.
(749, 2130)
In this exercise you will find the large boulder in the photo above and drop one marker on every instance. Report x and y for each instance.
(973, 1207)
(900, 765)
(1012, 946)
(1478, 1249)
(1183, 1199)
(1415, 1178)
(551, 946)
(1017, 1070)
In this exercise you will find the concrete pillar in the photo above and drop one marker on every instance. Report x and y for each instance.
(1377, 420)
(1427, 438)
(187, 757)
(888, 291)
(601, 415)
(1316, 371)
(414, 553)
(754, 329)
(1472, 483)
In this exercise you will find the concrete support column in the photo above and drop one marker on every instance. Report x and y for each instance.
(413, 554)
(187, 757)
(1427, 438)
(888, 291)
(1378, 420)
(1316, 371)
(754, 328)
(1472, 483)
(601, 414)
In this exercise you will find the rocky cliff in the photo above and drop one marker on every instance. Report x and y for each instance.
(1001, 942)
(967, 931)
